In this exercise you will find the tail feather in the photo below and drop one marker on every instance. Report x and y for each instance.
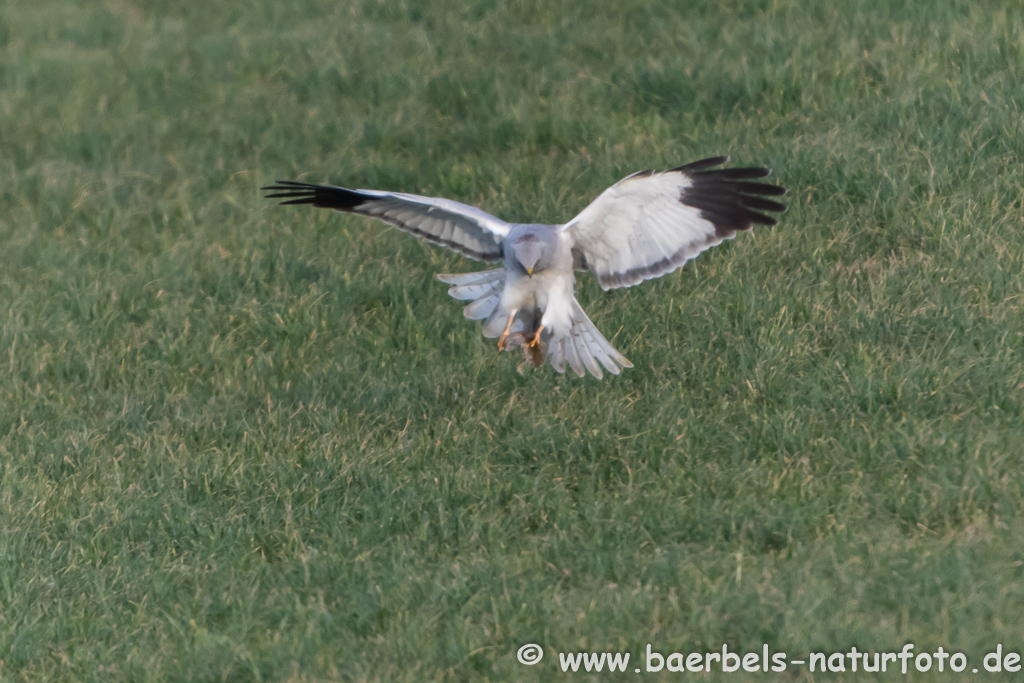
(584, 348)
(459, 279)
(482, 307)
(572, 356)
(470, 286)
(597, 348)
(600, 342)
(495, 324)
(556, 353)
(483, 289)
(584, 352)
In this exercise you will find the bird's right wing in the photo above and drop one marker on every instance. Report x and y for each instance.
(462, 228)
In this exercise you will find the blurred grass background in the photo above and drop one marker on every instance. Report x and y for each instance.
(241, 442)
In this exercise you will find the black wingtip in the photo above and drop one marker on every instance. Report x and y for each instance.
(320, 196)
(729, 197)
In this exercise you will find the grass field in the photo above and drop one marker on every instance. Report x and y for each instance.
(247, 442)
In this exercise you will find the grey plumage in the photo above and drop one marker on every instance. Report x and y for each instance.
(645, 226)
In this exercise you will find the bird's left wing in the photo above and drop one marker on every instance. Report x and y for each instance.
(459, 227)
(649, 224)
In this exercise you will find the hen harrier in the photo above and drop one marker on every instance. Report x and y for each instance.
(642, 227)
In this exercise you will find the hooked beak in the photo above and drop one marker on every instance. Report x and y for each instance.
(529, 271)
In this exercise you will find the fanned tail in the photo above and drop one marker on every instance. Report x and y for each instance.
(482, 288)
(583, 347)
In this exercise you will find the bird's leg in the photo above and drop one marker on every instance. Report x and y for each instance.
(535, 339)
(503, 339)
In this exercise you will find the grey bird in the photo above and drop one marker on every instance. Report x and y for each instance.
(644, 226)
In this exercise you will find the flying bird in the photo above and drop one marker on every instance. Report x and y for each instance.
(644, 226)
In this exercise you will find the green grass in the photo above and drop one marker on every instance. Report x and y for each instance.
(243, 442)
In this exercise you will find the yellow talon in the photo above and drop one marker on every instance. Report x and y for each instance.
(535, 340)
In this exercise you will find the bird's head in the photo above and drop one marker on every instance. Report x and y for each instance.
(532, 251)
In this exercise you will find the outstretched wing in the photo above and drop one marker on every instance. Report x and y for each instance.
(462, 228)
(649, 224)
